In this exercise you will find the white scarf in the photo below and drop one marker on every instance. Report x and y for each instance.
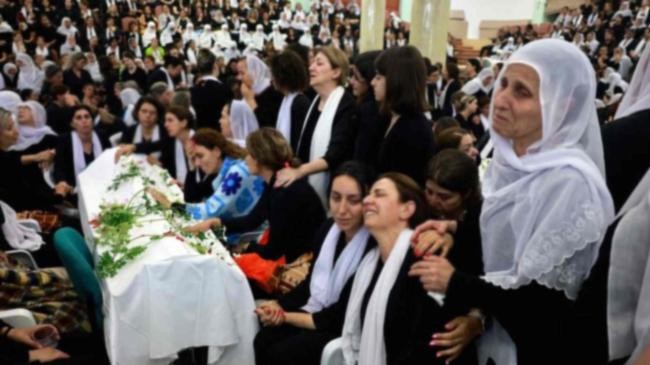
(284, 116)
(17, 235)
(328, 278)
(320, 140)
(637, 97)
(78, 152)
(366, 345)
(29, 136)
(138, 138)
(179, 159)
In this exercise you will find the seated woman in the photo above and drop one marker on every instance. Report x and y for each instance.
(139, 137)
(234, 190)
(399, 87)
(389, 317)
(294, 213)
(458, 139)
(34, 133)
(237, 121)
(299, 324)
(77, 149)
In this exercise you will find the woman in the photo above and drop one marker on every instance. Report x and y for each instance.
(234, 190)
(282, 207)
(77, 149)
(458, 139)
(328, 133)
(76, 76)
(481, 85)
(389, 317)
(146, 113)
(237, 122)
(546, 207)
(257, 90)
(174, 150)
(34, 133)
(29, 76)
(301, 323)
(467, 108)
(399, 87)
(371, 127)
(290, 78)
(450, 75)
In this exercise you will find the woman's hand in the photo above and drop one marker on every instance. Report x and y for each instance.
(431, 242)
(47, 354)
(153, 160)
(203, 226)
(460, 332)
(439, 226)
(122, 150)
(159, 197)
(434, 273)
(270, 313)
(62, 188)
(287, 176)
(27, 335)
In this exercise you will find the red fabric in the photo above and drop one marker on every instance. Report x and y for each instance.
(264, 238)
(261, 271)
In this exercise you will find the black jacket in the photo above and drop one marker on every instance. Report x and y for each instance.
(64, 159)
(208, 98)
(268, 107)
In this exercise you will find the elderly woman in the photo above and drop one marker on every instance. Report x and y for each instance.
(481, 85)
(545, 210)
(34, 133)
(328, 133)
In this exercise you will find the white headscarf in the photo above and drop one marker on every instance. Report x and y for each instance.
(614, 80)
(476, 84)
(29, 136)
(17, 235)
(129, 97)
(149, 34)
(222, 36)
(545, 213)
(244, 36)
(10, 100)
(166, 37)
(637, 97)
(66, 31)
(259, 72)
(206, 37)
(258, 38)
(242, 121)
(30, 77)
(189, 33)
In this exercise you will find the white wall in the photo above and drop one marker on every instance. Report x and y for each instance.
(478, 10)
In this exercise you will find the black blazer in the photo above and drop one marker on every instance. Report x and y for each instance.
(129, 134)
(64, 159)
(299, 109)
(372, 128)
(626, 144)
(294, 214)
(139, 76)
(407, 148)
(208, 99)
(76, 83)
(447, 109)
(344, 133)
(268, 106)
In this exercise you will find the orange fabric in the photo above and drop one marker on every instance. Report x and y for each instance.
(262, 272)
(264, 238)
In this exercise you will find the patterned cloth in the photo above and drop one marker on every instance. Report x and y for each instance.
(236, 192)
(49, 295)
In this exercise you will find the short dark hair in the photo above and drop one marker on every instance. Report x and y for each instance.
(289, 72)
(453, 170)
(182, 114)
(81, 107)
(361, 173)
(205, 61)
(128, 54)
(173, 61)
(452, 70)
(475, 63)
(443, 124)
(147, 99)
(301, 51)
(59, 89)
(406, 78)
(409, 190)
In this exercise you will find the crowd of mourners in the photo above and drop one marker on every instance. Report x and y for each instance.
(490, 212)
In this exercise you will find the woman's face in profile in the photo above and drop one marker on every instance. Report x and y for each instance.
(517, 111)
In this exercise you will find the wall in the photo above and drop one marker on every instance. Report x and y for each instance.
(478, 10)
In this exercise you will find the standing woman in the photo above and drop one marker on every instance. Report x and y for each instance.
(399, 87)
(329, 129)
(545, 211)
(79, 148)
(291, 79)
(174, 150)
(257, 90)
(452, 85)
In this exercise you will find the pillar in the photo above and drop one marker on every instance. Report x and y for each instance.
(372, 25)
(429, 26)
(539, 14)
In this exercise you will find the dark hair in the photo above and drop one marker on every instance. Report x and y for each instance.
(483, 101)
(365, 64)
(59, 89)
(270, 149)
(128, 54)
(81, 107)
(182, 114)
(409, 190)
(450, 138)
(173, 61)
(476, 64)
(301, 51)
(205, 61)
(289, 72)
(25, 94)
(211, 139)
(453, 170)
(361, 173)
(52, 70)
(452, 70)
(443, 124)
(406, 78)
(147, 99)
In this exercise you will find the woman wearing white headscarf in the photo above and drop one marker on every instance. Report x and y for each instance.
(34, 133)
(616, 86)
(9, 100)
(481, 85)
(166, 37)
(278, 38)
(257, 90)
(258, 38)
(545, 210)
(149, 34)
(245, 38)
(189, 34)
(66, 28)
(239, 122)
(222, 36)
(206, 38)
(30, 76)
(9, 76)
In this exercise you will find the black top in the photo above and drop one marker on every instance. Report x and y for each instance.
(198, 186)
(139, 76)
(208, 98)
(407, 148)
(372, 129)
(294, 213)
(268, 106)
(447, 109)
(467, 253)
(12, 352)
(626, 144)
(155, 76)
(23, 187)
(477, 129)
(59, 118)
(76, 83)
(129, 134)
(299, 108)
(344, 132)
(64, 159)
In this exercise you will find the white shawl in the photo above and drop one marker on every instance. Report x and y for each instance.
(321, 139)
(637, 97)
(328, 278)
(179, 159)
(32, 135)
(78, 152)
(284, 116)
(137, 137)
(366, 345)
(17, 235)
